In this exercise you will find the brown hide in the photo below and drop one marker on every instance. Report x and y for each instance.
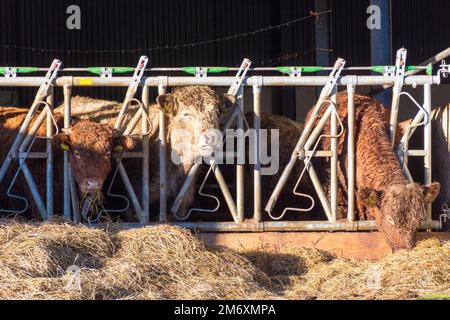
(11, 118)
(383, 191)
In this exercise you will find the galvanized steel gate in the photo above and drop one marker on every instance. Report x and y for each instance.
(391, 75)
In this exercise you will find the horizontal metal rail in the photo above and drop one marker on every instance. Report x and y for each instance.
(416, 69)
(278, 226)
(220, 81)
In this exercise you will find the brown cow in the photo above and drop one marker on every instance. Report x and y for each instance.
(383, 191)
(90, 147)
(190, 112)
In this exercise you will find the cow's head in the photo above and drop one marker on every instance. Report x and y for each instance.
(91, 146)
(399, 210)
(195, 113)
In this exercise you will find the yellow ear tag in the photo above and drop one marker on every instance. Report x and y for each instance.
(371, 201)
(65, 147)
(118, 149)
(166, 107)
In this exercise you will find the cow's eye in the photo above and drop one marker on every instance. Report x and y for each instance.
(108, 154)
(77, 154)
(186, 115)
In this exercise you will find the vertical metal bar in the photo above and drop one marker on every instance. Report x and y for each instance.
(49, 147)
(145, 157)
(427, 141)
(74, 197)
(394, 113)
(67, 90)
(334, 159)
(257, 150)
(351, 153)
(162, 161)
(240, 167)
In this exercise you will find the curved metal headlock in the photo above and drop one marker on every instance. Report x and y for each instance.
(307, 136)
(236, 114)
(21, 147)
(306, 155)
(126, 128)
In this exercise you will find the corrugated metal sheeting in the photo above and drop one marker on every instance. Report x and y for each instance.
(350, 38)
(421, 26)
(141, 25)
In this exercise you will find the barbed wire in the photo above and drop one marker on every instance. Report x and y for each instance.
(287, 56)
(312, 15)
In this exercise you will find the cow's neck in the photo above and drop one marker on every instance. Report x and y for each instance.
(377, 164)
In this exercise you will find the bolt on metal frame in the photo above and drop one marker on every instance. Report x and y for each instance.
(256, 82)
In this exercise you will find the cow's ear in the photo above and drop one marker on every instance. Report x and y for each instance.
(123, 144)
(74, 120)
(227, 101)
(431, 191)
(369, 197)
(166, 102)
(62, 140)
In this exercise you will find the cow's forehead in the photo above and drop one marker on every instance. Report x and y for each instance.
(199, 97)
(91, 135)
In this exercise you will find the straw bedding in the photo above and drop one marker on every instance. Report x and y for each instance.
(166, 262)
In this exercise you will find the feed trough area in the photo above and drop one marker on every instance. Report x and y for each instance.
(314, 175)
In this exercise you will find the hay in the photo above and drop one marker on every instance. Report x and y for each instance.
(160, 262)
(166, 262)
(169, 262)
(308, 273)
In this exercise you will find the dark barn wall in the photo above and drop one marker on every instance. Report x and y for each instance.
(146, 27)
(117, 32)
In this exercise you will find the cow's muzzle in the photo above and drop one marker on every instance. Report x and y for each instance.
(209, 142)
(91, 185)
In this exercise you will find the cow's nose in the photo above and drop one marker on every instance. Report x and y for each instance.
(93, 184)
(210, 139)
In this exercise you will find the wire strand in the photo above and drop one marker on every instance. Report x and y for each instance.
(312, 15)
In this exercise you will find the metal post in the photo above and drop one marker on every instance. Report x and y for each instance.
(74, 196)
(67, 90)
(257, 151)
(145, 157)
(162, 84)
(334, 158)
(240, 167)
(351, 153)
(380, 41)
(49, 147)
(427, 141)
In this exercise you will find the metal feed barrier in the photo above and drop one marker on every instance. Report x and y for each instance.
(305, 149)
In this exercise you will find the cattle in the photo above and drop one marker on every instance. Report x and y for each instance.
(190, 112)
(90, 146)
(383, 191)
(440, 155)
